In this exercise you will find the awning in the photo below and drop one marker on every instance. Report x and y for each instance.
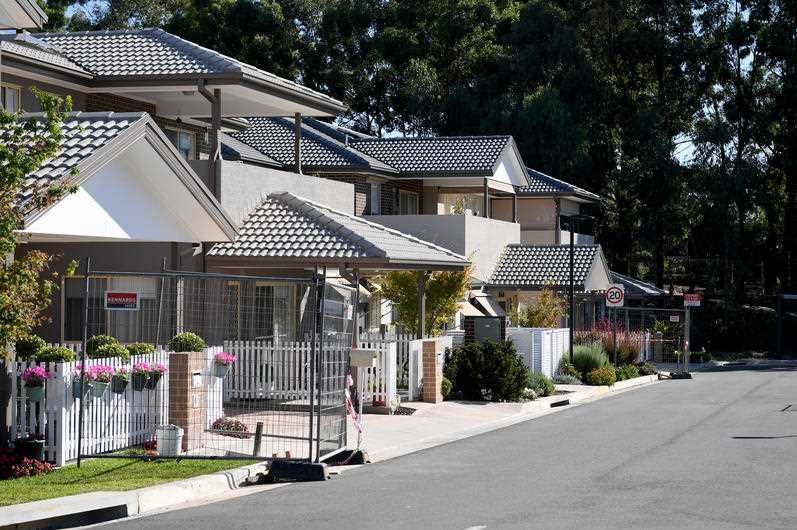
(487, 304)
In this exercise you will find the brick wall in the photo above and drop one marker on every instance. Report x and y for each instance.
(390, 194)
(102, 102)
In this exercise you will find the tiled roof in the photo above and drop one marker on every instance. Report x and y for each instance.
(83, 133)
(542, 184)
(274, 138)
(442, 155)
(635, 287)
(153, 53)
(234, 149)
(290, 228)
(28, 47)
(543, 265)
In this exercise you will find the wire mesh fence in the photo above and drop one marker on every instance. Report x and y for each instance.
(657, 334)
(268, 383)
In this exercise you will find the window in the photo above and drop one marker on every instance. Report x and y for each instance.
(376, 198)
(10, 98)
(183, 140)
(231, 306)
(408, 203)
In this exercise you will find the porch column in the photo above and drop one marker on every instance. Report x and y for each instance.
(422, 304)
(514, 208)
(297, 141)
(355, 333)
(486, 197)
(214, 146)
(558, 227)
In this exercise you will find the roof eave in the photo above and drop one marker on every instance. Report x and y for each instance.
(328, 106)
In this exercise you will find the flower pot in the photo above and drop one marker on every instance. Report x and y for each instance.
(221, 370)
(154, 378)
(118, 385)
(30, 449)
(34, 393)
(139, 381)
(76, 388)
(98, 388)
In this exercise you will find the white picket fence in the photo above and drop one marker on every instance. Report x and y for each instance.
(542, 349)
(402, 341)
(265, 371)
(380, 382)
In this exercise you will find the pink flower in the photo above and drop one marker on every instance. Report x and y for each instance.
(141, 368)
(158, 368)
(89, 375)
(101, 373)
(35, 376)
(224, 358)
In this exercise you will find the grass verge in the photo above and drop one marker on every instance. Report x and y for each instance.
(107, 475)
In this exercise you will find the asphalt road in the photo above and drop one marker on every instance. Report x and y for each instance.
(714, 452)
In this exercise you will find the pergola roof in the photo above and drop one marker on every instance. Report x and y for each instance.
(286, 230)
(635, 287)
(544, 185)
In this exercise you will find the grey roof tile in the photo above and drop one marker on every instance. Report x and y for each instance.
(441, 155)
(287, 227)
(26, 46)
(635, 287)
(542, 184)
(83, 133)
(536, 266)
(274, 138)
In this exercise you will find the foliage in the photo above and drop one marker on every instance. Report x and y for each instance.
(445, 387)
(547, 312)
(444, 290)
(541, 384)
(55, 354)
(25, 287)
(122, 373)
(96, 341)
(13, 466)
(566, 379)
(35, 376)
(647, 368)
(604, 375)
(230, 427)
(140, 348)
(29, 346)
(187, 341)
(588, 357)
(566, 368)
(487, 370)
(109, 350)
(587, 336)
(628, 371)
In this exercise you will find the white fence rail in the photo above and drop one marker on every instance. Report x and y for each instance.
(381, 382)
(402, 341)
(265, 371)
(542, 349)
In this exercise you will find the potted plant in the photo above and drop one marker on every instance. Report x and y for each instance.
(156, 371)
(34, 378)
(76, 388)
(139, 376)
(222, 362)
(186, 342)
(31, 446)
(101, 375)
(120, 380)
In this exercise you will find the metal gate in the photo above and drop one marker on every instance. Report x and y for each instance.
(269, 383)
(662, 333)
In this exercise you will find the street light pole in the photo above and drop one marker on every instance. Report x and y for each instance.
(571, 323)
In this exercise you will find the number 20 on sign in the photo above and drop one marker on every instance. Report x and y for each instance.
(615, 295)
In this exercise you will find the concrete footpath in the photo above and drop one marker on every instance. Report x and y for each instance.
(385, 437)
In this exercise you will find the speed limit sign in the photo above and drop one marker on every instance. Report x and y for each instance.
(615, 295)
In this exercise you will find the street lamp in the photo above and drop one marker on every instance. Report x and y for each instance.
(571, 221)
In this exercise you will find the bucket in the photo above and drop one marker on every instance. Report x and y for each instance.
(169, 440)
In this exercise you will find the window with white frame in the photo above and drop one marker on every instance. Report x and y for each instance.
(10, 98)
(408, 203)
(184, 140)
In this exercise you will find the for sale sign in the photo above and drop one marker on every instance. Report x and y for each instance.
(121, 301)
(615, 295)
(691, 300)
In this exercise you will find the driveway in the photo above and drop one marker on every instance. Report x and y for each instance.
(714, 452)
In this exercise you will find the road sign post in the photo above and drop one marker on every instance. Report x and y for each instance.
(690, 300)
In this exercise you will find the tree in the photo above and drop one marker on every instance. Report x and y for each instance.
(444, 291)
(24, 146)
(546, 312)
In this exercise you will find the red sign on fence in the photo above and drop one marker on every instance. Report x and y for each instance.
(118, 301)
(691, 300)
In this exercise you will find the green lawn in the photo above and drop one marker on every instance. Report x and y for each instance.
(107, 475)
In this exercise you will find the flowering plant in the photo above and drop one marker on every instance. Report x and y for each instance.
(141, 368)
(35, 376)
(121, 373)
(158, 368)
(101, 373)
(88, 376)
(224, 358)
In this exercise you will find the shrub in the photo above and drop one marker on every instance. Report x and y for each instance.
(628, 348)
(106, 351)
(566, 379)
(186, 342)
(547, 312)
(647, 369)
(487, 370)
(588, 357)
(446, 387)
(55, 354)
(230, 427)
(29, 347)
(14, 466)
(95, 342)
(587, 336)
(141, 348)
(565, 368)
(602, 376)
(540, 384)
(628, 371)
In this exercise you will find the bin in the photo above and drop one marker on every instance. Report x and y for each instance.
(169, 440)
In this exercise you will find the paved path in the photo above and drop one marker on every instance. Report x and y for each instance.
(715, 452)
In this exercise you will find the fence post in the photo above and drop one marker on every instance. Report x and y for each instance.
(83, 360)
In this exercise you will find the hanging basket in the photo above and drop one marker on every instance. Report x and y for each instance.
(139, 381)
(76, 388)
(118, 385)
(34, 393)
(154, 378)
(221, 370)
(98, 388)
